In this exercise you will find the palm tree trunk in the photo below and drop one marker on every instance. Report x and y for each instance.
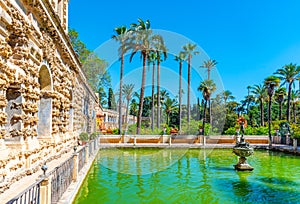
(204, 117)
(189, 90)
(158, 93)
(208, 73)
(152, 105)
(120, 95)
(139, 119)
(269, 120)
(288, 114)
(180, 94)
(126, 120)
(209, 106)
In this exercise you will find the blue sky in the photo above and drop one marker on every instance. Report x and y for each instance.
(249, 39)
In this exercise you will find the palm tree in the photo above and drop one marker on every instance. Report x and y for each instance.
(152, 59)
(209, 65)
(207, 87)
(141, 42)
(189, 51)
(180, 58)
(295, 103)
(128, 93)
(170, 106)
(288, 74)
(159, 48)
(122, 36)
(270, 83)
(227, 95)
(280, 93)
(260, 94)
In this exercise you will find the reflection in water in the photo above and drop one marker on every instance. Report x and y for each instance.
(194, 176)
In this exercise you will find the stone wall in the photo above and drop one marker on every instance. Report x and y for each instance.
(45, 101)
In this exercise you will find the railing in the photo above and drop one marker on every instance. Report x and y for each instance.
(81, 159)
(61, 179)
(30, 195)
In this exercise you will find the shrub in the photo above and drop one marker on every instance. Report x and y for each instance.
(84, 136)
(93, 135)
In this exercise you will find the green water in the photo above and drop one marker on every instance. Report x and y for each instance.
(193, 176)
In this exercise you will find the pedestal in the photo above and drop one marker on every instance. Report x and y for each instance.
(242, 165)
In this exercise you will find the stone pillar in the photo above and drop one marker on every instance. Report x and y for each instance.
(45, 191)
(295, 144)
(204, 140)
(75, 169)
(170, 140)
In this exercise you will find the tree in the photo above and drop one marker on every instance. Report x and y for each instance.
(122, 36)
(141, 42)
(95, 71)
(295, 102)
(207, 87)
(227, 95)
(102, 96)
(128, 93)
(270, 83)
(111, 100)
(160, 49)
(209, 65)
(170, 106)
(280, 93)
(189, 51)
(260, 94)
(152, 59)
(93, 67)
(180, 58)
(288, 74)
(248, 95)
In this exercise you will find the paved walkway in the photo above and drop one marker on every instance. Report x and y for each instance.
(25, 182)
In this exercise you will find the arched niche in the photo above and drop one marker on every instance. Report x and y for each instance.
(45, 104)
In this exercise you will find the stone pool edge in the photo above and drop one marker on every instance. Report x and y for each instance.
(70, 195)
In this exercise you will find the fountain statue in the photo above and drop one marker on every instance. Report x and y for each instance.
(242, 149)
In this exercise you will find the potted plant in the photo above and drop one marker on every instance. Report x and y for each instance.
(84, 137)
(94, 135)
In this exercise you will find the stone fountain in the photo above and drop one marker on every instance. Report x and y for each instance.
(243, 150)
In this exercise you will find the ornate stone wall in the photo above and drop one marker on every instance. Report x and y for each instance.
(45, 101)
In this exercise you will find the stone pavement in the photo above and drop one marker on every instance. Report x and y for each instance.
(25, 182)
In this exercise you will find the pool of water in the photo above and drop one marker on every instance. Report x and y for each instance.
(190, 176)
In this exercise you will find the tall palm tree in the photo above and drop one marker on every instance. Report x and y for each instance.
(280, 93)
(128, 93)
(207, 87)
(288, 74)
(170, 106)
(141, 42)
(209, 65)
(122, 36)
(160, 49)
(180, 58)
(152, 59)
(189, 51)
(260, 94)
(270, 83)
